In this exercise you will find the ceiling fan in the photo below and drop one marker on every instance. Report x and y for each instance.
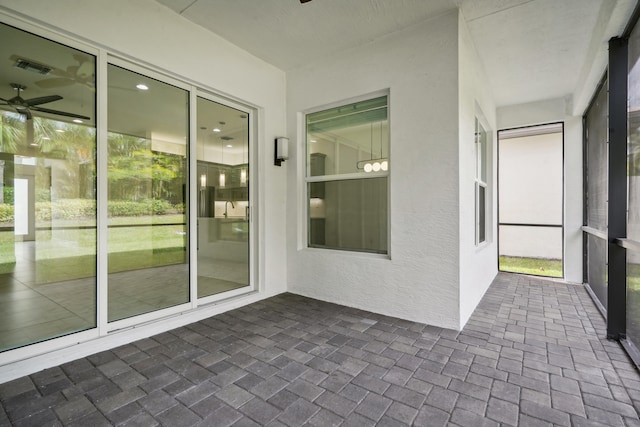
(82, 73)
(24, 106)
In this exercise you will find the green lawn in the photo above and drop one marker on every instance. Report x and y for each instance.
(535, 266)
(71, 253)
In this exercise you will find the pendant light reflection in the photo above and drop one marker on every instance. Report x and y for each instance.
(243, 170)
(374, 165)
(222, 179)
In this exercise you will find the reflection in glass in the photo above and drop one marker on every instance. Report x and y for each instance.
(223, 198)
(349, 215)
(353, 138)
(47, 190)
(147, 187)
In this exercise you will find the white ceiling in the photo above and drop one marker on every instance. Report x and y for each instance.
(531, 49)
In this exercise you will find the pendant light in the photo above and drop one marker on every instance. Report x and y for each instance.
(243, 170)
(374, 165)
(222, 179)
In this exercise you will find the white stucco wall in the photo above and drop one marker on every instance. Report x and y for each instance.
(151, 34)
(530, 187)
(551, 111)
(478, 264)
(420, 279)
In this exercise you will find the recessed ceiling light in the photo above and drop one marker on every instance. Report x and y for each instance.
(142, 86)
(313, 140)
(229, 146)
(33, 144)
(77, 121)
(46, 138)
(60, 130)
(216, 130)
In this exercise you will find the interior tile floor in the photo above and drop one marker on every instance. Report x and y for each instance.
(533, 353)
(36, 305)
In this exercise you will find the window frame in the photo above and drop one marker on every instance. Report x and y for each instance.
(307, 179)
(480, 181)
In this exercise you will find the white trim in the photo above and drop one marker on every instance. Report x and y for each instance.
(102, 291)
(149, 316)
(193, 201)
(347, 176)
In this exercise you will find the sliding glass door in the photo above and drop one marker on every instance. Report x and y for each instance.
(222, 153)
(148, 122)
(69, 188)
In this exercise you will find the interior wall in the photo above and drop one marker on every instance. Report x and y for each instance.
(478, 263)
(419, 280)
(550, 111)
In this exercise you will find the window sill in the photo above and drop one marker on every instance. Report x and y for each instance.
(341, 252)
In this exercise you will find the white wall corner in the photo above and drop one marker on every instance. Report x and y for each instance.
(478, 263)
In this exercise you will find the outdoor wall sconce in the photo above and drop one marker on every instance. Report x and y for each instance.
(281, 151)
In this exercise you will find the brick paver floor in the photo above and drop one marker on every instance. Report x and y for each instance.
(533, 353)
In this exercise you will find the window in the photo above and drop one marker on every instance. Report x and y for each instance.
(347, 176)
(481, 182)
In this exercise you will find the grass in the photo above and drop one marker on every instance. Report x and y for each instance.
(534, 266)
(71, 253)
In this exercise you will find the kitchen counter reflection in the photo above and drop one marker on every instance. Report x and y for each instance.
(232, 228)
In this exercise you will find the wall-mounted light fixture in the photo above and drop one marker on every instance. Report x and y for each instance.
(203, 181)
(281, 151)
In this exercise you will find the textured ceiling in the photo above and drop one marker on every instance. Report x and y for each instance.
(530, 49)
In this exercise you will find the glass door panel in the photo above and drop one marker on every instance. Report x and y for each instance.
(147, 188)
(47, 189)
(223, 198)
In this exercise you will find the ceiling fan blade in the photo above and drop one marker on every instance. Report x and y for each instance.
(42, 100)
(304, 1)
(61, 113)
(54, 82)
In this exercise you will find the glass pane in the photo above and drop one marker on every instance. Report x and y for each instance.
(147, 188)
(47, 183)
(482, 222)
(597, 267)
(531, 250)
(349, 137)
(633, 296)
(482, 151)
(349, 215)
(597, 160)
(223, 198)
